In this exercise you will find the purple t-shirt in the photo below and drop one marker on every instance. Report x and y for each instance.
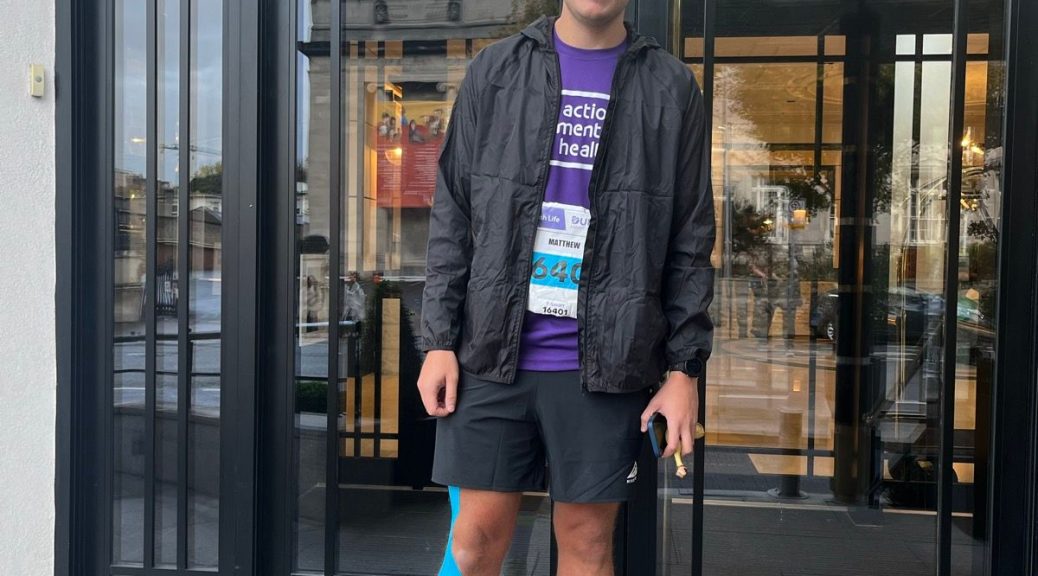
(549, 338)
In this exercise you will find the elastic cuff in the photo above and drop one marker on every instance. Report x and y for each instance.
(429, 345)
(700, 353)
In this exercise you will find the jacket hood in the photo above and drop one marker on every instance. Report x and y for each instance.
(540, 31)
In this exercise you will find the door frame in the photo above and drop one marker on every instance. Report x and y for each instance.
(84, 156)
(637, 527)
(79, 66)
(1013, 444)
(1013, 494)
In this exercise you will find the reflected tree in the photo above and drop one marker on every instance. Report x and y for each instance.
(524, 12)
(208, 180)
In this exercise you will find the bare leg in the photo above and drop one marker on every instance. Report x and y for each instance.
(585, 536)
(483, 530)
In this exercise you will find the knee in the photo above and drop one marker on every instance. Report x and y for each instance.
(476, 549)
(589, 539)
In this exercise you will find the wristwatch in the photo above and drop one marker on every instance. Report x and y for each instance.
(692, 367)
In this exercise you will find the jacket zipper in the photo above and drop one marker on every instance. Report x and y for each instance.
(585, 275)
(552, 119)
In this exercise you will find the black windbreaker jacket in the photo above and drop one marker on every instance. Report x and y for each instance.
(646, 280)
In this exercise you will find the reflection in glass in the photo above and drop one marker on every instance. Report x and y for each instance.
(396, 105)
(128, 295)
(205, 274)
(980, 225)
(311, 303)
(396, 112)
(824, 402)
(824, 393)
(166, 287)
(396, 109)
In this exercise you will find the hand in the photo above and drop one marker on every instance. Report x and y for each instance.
(678, 401)
(438, 382)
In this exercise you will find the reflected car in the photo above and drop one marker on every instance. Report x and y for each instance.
(905, 315)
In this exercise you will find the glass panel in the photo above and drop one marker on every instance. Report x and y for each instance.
(128, 279)
(395, 111)
(166, 489)
(832, 106)
(905, 44)
(980, 224)
(764, 105)
(835, 46)
(767, 46)
(823, 397)
(311, 266)
(396, 103)
(937, 44)
(166, 286)
(693, 48)
(206, 271)
(978, 43)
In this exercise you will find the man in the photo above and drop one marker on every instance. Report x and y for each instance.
(568, 275)
(354, 299)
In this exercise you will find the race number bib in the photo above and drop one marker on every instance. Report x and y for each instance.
(558, 251)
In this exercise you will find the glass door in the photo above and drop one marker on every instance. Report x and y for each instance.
(163, 272)
(856, 161)
(373, 87)
(856, 172)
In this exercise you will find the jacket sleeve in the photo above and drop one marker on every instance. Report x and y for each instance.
(688, 282)
(449, 253)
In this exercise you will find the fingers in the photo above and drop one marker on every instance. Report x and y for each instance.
(438, 383)
(651, 409)
(687, 439)
(430, 387)
(428, 394)
(439, 410)
(673, 440)
(451, 396)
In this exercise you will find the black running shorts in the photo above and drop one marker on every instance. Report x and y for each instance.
(501, 436)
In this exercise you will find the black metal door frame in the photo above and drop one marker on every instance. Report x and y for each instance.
(84, 158)
(275, 362)
(80, 91)
(636, 533)
(1013, 523)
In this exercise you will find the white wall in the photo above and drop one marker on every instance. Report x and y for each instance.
(27, 275)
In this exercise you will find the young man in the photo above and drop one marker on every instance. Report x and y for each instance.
(568, 274)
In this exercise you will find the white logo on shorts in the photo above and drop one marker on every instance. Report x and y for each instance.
(633, 475)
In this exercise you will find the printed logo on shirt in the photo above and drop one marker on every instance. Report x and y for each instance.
(579, 129)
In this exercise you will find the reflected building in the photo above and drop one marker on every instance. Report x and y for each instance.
(402, 64)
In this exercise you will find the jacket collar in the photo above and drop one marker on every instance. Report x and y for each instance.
(541, 31)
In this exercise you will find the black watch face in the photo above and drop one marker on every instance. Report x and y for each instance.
(694, 367)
